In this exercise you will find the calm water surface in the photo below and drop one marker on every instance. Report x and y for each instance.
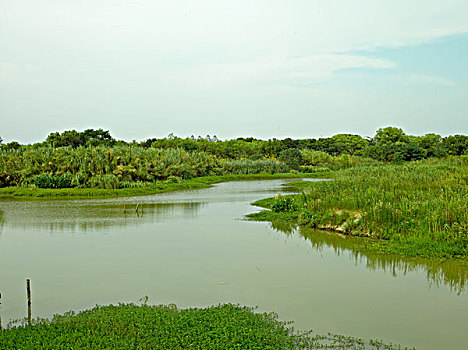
(193, 248)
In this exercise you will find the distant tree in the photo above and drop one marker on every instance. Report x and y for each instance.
(292, 157)
(348, 144)
(456, 145)
(75, 139)
(431, 145)
(67, 138)
(272, 147)
(98, 137)
(10, 145)
(389, 135)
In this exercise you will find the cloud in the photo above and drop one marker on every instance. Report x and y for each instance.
(275, 70)
(429, 79)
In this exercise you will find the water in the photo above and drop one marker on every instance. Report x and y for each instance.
(193, 248)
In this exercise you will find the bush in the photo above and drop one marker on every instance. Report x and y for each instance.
(47, 181)
(292, 157)
(284, 204)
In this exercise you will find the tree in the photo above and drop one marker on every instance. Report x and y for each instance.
(75, 139)
(389, 135)
(292, 157)
(431, 145)
(348, 144)
(456, 145)
(92, 137)
(11, 145)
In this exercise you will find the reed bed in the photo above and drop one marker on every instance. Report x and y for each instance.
(118, 167)
(417, 208)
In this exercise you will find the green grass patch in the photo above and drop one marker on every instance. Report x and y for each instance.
(128, 326)
(414, 209)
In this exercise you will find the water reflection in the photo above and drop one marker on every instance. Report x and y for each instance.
(2, 221)
(76, 216)
(452, 273)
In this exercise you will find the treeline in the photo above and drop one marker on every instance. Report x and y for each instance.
(389, 144)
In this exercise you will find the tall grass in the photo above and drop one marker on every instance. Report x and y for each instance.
(117, 167)
(419, 208)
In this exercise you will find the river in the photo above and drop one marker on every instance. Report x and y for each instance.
(194, 248)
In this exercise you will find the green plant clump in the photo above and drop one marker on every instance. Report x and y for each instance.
(47, 181)
(416, 209)
(128, 326)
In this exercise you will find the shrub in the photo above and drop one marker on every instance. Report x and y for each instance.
(48, 181)
(292, 157)
(284, 204)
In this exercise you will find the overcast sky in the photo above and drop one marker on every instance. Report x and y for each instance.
(263, 68)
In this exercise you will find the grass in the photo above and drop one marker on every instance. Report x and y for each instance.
(129, 326)
(118, 167)
(158, 187)
(414, 209)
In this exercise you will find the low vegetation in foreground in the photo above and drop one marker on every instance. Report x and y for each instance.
(128, 326)
(416, 209)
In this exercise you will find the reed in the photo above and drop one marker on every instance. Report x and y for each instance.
(417, 208)
(118, 167)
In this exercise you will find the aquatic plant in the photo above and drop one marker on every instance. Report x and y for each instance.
(128, 326)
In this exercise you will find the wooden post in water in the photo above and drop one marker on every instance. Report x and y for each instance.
(136, 209)
(0, 311)
(28, 291)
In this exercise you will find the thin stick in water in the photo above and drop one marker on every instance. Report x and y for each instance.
(28, 290)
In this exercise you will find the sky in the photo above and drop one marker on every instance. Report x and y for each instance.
(232, 68)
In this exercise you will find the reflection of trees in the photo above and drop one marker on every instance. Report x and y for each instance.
(84, 218)
(452, 273)
(2, 221)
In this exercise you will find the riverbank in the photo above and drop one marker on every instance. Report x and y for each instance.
(130, 326)
(415, 209)
(9, 193)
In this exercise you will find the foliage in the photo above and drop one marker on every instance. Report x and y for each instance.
(104, 167)
(128, 326)
(10, 146)
(75, 139)
(417, 209)
(320, 161)
(389, 135)
(47, 181)
(92, 158)
(292, 157)
(284, 204)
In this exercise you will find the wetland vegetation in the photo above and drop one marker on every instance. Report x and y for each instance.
(405, 194)
(415, 209)
(68, 162)
(130, 326)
